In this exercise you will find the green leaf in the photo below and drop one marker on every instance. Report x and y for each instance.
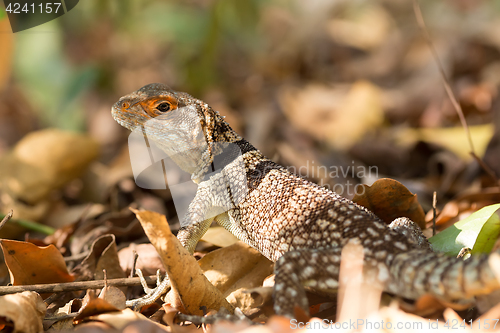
(478, 232)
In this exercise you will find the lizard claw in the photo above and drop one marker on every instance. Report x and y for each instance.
(152, 294)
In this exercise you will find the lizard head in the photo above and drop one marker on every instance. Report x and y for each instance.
(184, 127)
(154, 100)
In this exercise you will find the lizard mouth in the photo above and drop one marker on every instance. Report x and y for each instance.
(119, 114)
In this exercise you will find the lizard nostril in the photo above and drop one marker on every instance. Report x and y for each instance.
(125, 105)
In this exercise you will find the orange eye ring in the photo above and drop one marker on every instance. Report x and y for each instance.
(125, 105)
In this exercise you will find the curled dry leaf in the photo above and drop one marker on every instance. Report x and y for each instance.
(192, 287)
(389, 199)
(31, 264)
(25, 310)
(103, 255)
(262, 298)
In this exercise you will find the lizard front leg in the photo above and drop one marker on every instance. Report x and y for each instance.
(196, 225)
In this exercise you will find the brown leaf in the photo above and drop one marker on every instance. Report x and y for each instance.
(30, 264)
(25, 310)
(113, 296)
(148, 260)
(219, 236)
(103, 255)
(192, 287)
(234, 269)
(389, 199)
(93, 306)
(169, 318)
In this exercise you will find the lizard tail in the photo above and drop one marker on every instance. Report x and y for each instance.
(418, 272)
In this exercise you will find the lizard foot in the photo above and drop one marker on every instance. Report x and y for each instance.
(152, 294)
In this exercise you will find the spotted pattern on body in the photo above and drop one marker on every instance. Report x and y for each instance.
(294, 222)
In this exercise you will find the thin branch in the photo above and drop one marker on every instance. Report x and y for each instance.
(74, 286)
(447, 87)
(434, 203)
(449, 91)
(6, 218)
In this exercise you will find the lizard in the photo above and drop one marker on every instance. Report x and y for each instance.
(297, 224)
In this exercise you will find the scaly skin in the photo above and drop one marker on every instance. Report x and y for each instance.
(296, 223)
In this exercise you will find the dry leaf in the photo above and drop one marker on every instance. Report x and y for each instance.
(169, 317)
(93, 306)
(187, 279)
(103, 255)
(234, 269)
(113, 296)
(219, 236)
(389, 199)
(225, 267)
(25, 310)
(148, 260)
(31, 264)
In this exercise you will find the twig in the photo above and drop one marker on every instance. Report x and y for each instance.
(6, 218)
(447, 87)
(74, 286)
(434, 202)
(449, 91)
(134, 262)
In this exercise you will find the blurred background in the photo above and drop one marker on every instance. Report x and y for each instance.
(313, 84)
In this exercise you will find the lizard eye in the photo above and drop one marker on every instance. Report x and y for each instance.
(125, 105)
(163, 107)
